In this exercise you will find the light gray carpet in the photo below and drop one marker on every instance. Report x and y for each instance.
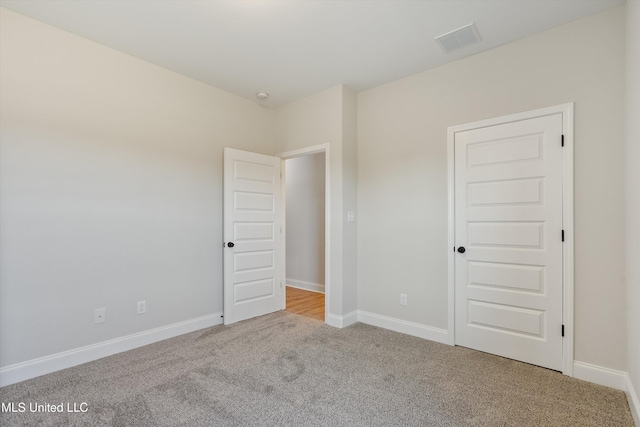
(287, 370)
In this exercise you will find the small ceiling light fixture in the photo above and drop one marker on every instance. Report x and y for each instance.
(461, 37)
(262, 96)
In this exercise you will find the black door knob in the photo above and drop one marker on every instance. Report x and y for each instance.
(461, 249)
(230, 244)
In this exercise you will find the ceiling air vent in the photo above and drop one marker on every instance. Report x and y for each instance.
(461, 37)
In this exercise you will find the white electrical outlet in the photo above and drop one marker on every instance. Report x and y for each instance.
(403, 299)
(142, 307)
(100, 315)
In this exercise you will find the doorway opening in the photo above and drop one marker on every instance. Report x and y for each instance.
(305, 224)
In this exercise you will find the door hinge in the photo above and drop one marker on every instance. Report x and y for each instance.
(563, 235)
(562, 330)
(562, 141)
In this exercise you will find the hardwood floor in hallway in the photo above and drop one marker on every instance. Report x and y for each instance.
(306, 303)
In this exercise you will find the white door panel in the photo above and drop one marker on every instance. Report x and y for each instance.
(511, 277)
(518, 192)
(252, 215)
(505, 234)
(508, 216)
(509, 318)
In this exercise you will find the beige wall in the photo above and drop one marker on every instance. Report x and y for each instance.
(111, 190)
(402, 177)
(316, 120)
(310, 121)
(305, 211)
(350, 199)
(329, 117)
(633, 197)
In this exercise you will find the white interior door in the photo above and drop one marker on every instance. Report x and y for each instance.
(508, 219)
(253, 264)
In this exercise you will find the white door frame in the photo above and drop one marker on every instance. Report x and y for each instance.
(321, 148)
(567, 219)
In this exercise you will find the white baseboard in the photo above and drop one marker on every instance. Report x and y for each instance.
(342, 321)
(632, 398)
(45, 365)
(599, 375)
(307, 286)
(405, 327)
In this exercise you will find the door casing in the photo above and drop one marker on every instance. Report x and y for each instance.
(567, 219)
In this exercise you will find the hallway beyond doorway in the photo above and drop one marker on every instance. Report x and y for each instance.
(305, 303)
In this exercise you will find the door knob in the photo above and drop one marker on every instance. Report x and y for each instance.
(461, 249)
(230, 244)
